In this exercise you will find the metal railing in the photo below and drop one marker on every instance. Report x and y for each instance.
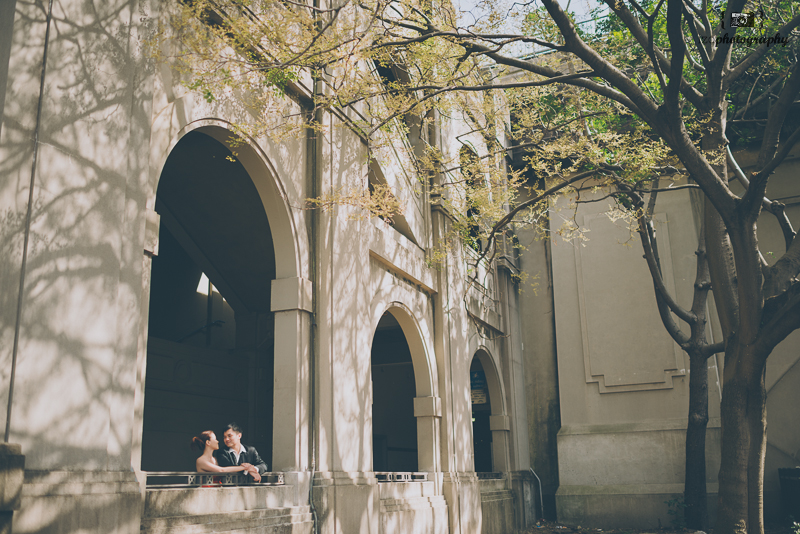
(174, 479)
(490, 476)
(401, 477)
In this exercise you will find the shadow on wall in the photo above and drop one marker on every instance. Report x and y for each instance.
(79, 275)
(73, 502)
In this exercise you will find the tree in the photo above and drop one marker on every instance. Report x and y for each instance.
(666, 75)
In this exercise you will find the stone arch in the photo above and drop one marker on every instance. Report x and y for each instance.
(493, 380)
(287, 293)
(499, 421)
(425, 373)
(427, 403)
(272, 191)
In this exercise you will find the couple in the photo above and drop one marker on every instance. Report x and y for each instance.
(237, 458)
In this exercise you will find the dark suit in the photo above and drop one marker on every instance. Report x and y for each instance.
(250, 455)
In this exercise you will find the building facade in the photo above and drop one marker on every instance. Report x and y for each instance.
(163, 275)
(160, 280)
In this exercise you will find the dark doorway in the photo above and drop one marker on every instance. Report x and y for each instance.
(481, 412)
(394, 427)
(210, 331)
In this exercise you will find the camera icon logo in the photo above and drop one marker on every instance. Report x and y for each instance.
(743, 20)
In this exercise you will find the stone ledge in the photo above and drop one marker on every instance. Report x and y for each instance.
(344, 478)
(629, 489)
(412, 504)
(623, 428)
(12, 474)
(64, 483)
(492, 496)
(294, 519)
(461, 477)
(174, 502)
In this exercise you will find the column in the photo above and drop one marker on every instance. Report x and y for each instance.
(291, 303)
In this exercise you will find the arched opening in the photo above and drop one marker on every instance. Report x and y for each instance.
(470, 171)
(394, 427)
(481, 416)
(490, 423)
(210, 356)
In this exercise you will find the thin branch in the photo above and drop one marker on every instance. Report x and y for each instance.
(692, 23)
(714, 348)
(663, 298)
(659, 60)
(759, 181)
(775, 208)
(674, 188)
(435, 91)
(508, 217)
(760, 98)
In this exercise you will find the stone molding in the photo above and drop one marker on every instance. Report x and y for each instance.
(427, 407)
(500, 422)
(291, 294)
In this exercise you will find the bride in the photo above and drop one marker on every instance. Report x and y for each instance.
(206, 442)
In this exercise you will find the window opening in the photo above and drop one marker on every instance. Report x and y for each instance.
(394, 427)
(481, 412)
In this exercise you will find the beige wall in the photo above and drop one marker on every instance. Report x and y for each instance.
(623, 382)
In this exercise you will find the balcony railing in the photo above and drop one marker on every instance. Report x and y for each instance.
(401, 477)
(173, 479)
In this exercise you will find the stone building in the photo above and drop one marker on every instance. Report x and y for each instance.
(171, 284)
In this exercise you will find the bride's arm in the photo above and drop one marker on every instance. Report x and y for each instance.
(205, 466)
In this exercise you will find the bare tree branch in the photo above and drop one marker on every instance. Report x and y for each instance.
(647, 235)
(775, 208)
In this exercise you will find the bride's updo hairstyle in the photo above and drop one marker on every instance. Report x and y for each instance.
(199, 441)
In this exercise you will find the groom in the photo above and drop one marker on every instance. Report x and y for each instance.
(238, 454)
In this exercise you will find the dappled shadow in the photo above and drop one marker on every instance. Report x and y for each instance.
(84, 297)
(83, 280)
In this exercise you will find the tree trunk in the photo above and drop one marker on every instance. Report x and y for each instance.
(757, 421)
(743, 412)
(694, 494)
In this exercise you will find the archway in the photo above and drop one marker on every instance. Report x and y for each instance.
(394, 428)
(481, 414)
(490, 424)
(211, 348)
(405, 409)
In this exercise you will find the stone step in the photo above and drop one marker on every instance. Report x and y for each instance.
(413, 503)
(291, 520)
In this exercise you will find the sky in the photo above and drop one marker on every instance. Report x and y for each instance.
(472, 10)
